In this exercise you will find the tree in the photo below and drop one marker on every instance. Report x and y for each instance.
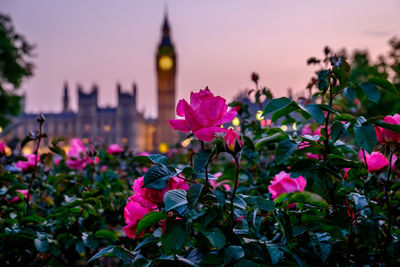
(15, 52)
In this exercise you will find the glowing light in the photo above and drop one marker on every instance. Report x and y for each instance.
(26, 150)
(186, 142)
(85, 140)
(294, 126)
(124, 140)
(163, 148)
(8, 151)
(86, 127)
(259, 115)
(236, 121)
(165, 63)
(284, 128)
(1, 129)
(107, 128)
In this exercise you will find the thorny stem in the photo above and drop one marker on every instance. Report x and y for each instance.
(365, 158)
(387, 188)
(36, 152)
(237, 165)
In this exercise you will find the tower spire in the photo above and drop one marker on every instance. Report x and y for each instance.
(66, 98)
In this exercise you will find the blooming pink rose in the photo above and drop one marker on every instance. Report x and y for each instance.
(346, 173)
(143, 154)
(282, 183)
(114, 149)
(103, 168)
(16, 198)
(204, 116)
(376, 161)
(2, 148)
(57, 161)
(29, 164)
(133, 212)
(385, 135)
(90, 161)
(233, 142)
(313, 156)
(150, 198)
(77, 155)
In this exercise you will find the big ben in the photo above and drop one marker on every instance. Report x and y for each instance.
(166, 73)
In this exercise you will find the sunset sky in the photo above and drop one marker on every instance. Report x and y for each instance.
(219, 43)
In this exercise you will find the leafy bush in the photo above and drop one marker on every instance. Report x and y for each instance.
(257, 194)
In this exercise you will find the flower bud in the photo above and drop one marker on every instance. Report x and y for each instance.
(233, 142)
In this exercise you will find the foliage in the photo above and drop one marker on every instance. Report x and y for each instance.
(14, 66)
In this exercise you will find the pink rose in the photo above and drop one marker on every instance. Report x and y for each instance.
(2, 148)
(114, 149)
(346, 173)
(103, 168)
(282, 183)
(57, 161)
(150, 198)
(377, 161)
(143, 154)
(29, 164)
(133, 212)
(77, 155)
(16, 198)
(204, 116)
(385, 135)
(233, 142)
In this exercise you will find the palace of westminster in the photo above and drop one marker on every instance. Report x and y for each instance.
(122, 124)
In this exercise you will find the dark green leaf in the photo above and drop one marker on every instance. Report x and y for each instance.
(308, 198)
(41, 245)
(384, 84)
(276, 104)
(371, 91)
(151, 159)
(264, 204)
(175, 237)
(108, 234)
(350, 93)
(200, 161)
(193, 194)
(157, 177)
(315, 112)
(321, 243)
(275, 253)
(337, 130)
(365, 136)
(176, 200)
(233, 253)
(284, 150)
(150, 219)
(216, 237)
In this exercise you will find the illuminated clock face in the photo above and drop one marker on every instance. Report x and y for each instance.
(165, 63)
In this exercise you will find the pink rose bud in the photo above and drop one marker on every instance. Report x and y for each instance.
(204, 116)
(255, 77)
(282, 183)
(114, 149)
(233, 142)
(385, 136)
(29, 164)
(376, 161)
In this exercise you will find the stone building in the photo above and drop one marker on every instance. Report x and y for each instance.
(122, 124)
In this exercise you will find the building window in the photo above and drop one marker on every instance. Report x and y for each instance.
(87, 127)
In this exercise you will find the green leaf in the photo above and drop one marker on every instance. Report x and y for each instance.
(119, 252)
(360, 201)
(193, 194)
(350, 93)
(284, 150)
(200, 161)
(321, 243)
(176, 200)
(275, 253)
(384, 84)
(389, 126)
(365, 135)
(371, 91)
(264, 204)
(325, 107)
(157, 177)
(108, 234)
(150, 219)
(276, 137)
(151, 159)
(147, 242)
(41, 245)
(216, 237)
(308, 198)
(315, 112)
(323, 80)
(276, 104)
(175, 237)
(337, 130)
(285, 111)
(233, 253)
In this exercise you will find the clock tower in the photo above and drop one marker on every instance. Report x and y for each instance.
(166, 73)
